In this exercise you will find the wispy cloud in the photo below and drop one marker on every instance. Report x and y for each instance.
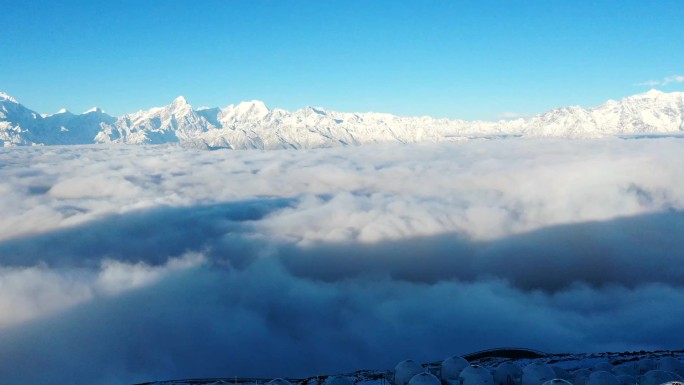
(663, 82)
(673, 79)
(649, 83)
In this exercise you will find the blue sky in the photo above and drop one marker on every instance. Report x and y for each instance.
(455, 59)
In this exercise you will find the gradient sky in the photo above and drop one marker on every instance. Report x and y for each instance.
(455, 59)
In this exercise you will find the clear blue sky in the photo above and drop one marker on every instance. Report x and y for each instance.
(456, 59)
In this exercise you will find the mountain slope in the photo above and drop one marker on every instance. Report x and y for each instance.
(253, 125)
(20, 126)
(172, 123)
(651, 112)
(15, 121)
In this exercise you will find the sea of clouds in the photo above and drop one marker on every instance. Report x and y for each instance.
(126, 264)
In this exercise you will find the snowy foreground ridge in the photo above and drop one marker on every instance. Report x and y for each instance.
(501, 367)
(251, 125)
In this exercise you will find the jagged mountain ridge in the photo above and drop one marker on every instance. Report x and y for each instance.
(253, 125)
(22, 126)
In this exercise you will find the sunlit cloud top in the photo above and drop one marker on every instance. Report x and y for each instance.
(161, 262)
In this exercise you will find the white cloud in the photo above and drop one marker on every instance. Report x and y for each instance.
(32, 292)
(116, 277)
(183, 263)
(673, 79)
(664, 82)
(649, 83)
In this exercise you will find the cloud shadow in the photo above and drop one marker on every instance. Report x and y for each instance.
(150, 236)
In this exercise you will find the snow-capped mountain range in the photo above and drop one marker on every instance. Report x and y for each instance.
(253, 125)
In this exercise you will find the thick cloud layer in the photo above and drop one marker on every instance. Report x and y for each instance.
(128, 264)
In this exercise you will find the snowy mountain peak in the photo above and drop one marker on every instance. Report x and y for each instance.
(6, 97)
(254, 106)
(180, 101)
(63, 111)
(653, 96)
(97, 110)
(317, 110)
(653, 93)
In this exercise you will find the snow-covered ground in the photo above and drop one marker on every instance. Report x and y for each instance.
(574, 368)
